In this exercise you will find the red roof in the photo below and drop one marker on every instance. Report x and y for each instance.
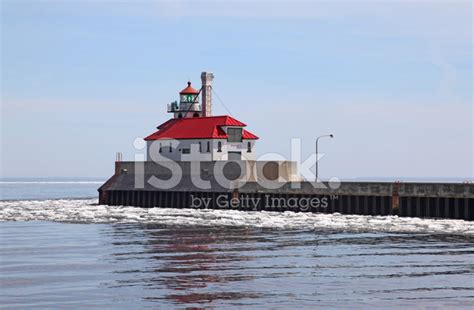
(198, 128)
(189, 90)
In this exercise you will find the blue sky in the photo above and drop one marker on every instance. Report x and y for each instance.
(391, 79)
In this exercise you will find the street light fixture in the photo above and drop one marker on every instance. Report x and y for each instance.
(317, 140)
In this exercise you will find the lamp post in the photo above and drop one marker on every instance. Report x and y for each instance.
(317, 140)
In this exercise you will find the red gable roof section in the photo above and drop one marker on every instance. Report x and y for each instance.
(198, 128)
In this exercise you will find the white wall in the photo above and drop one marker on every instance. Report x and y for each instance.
(195, 155)
(174, 155)
(177, 154)
(233, 147)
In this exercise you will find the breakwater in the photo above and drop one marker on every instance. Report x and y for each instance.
(130, 186)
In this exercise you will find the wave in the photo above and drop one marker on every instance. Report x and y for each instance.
(88, 211)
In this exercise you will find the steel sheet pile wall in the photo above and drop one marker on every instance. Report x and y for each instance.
(434, 200)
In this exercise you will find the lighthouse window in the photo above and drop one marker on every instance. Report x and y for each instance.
(208, 146)
(200, 147)
(171, 147)
(161, 148)
(234, 134)
(186, 151)
(249, 147)
(219, 146)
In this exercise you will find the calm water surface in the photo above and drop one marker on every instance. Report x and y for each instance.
(76, 254)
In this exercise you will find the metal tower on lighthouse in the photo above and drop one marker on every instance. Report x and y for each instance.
(206, 79)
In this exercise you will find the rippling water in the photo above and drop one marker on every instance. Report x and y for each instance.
(73, 253)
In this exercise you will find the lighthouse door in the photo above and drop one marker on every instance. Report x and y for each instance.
(235, 155)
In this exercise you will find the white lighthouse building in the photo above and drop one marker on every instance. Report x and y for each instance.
(193, 134)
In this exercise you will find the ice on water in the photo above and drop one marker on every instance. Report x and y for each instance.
(88, 211)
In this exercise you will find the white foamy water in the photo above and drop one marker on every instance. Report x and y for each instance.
(88, 211)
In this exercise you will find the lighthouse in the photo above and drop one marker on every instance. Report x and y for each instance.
(188, 103)
(194, 134)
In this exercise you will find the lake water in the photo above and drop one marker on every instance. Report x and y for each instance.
(60, 250)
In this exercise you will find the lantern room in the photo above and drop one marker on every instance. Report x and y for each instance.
(188, 106)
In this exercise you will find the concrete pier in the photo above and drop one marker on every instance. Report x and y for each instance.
(426, 200)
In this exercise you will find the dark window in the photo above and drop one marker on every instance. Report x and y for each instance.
(208, 146)
(234, 134)
(200, 147)
(161, 148)
(171, 147)
(196, 115)
(186, 151)
(180, 115)
(249, 147)
(219, 146)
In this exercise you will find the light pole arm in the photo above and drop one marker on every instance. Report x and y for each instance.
(317, 140)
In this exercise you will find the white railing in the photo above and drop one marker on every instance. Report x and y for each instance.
(172, 107)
